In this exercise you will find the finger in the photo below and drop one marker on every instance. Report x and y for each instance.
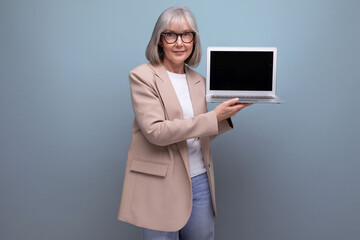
(247, 104)
(244, 104)
(230, 102)
(238, 107)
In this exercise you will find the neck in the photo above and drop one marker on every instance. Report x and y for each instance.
(179, 68)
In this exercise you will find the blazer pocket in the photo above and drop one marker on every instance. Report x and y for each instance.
(151, 168)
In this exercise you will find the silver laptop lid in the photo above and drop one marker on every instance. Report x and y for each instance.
(246, 71)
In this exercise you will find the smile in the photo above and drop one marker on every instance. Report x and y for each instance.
(179, 52)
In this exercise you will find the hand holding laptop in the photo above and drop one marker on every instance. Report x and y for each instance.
(229, 108)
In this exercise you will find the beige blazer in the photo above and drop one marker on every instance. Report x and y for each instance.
(157, 192)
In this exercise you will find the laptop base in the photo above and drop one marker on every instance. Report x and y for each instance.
(275, 100)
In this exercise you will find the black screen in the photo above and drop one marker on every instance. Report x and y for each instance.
(248, 71)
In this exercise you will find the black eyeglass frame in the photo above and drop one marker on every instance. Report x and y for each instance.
(177, 36)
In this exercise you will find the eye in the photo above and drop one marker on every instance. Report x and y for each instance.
(186, 34)
(169, 34)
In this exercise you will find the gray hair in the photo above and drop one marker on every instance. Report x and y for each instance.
(155, 53)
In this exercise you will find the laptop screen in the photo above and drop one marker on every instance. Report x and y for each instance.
(241, 70)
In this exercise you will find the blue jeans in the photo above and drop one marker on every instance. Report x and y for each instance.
(201, 222)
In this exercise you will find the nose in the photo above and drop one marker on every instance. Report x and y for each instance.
(179, 42)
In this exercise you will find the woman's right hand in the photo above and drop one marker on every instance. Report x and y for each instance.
(229, 108)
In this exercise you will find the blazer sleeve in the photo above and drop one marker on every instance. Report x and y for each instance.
(223, 126)
(151, 117)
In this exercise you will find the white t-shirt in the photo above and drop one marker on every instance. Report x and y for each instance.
(196, 161)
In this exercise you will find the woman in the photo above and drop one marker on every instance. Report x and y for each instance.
(169, 181)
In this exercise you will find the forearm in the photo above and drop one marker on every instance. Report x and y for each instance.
(167, 132)
(223, 126)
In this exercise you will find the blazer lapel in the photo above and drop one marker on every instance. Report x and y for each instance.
(197, 95)
(172, 106)
(196, 90)
(167, 93)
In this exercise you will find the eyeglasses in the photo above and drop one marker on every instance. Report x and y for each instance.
(171, 37)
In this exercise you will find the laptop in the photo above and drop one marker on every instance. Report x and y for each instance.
(248, 73)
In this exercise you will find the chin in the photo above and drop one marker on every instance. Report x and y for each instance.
(178, 61)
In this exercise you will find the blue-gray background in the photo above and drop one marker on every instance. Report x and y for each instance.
(287, 171)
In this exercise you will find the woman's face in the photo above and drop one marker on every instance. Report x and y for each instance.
(176, 53)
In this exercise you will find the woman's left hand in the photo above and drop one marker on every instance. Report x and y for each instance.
(229, 108)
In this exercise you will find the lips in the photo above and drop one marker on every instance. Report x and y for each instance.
(179, 52)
